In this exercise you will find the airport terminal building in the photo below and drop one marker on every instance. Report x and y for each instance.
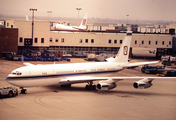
(77, 42)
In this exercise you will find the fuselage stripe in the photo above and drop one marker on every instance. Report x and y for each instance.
(59, 75)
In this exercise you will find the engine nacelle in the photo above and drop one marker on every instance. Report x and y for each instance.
(106, 86)
(142, 84)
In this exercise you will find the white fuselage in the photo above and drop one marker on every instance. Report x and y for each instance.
(52, 74)
(82, 27)
(61, 27)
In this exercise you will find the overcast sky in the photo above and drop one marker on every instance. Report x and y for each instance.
(113, 9)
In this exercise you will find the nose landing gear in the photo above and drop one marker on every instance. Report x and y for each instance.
(23, 91)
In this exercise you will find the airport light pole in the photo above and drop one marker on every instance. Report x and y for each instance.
(127, 18)
(49, 15)
(78, 14)
(31, 9)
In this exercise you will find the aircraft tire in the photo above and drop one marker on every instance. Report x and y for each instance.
(90, 87)
(87, 87)
(23, 91)
(94, 87)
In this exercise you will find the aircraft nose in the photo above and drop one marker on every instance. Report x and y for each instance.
(10, 80)
(7, 78)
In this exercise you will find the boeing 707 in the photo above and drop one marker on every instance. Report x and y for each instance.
(67, 74)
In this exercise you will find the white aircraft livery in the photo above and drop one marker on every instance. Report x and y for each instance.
(67, 74)
(82, 27)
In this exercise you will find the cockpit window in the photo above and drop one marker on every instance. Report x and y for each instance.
(16, 73)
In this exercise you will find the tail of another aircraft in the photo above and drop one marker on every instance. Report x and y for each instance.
(83, 23)
(27, 19)
(124, 50)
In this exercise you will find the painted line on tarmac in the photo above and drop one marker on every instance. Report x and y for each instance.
(122, 96)
(130, 96)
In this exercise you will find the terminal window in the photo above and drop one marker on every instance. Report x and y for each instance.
(121, 41)
(142, 42)
(135, 41)
(156, 42)
(109, 41)
(169, 42)
(21, 39)
(56, 40)
(50, 39)
(36, 39)
(80, 41)
(92, 40)
(62, 40)
(163, 43)
(149, 42)
(86, 40)
(42, 40)
(115, 41)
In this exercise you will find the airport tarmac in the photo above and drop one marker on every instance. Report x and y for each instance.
(123, 102)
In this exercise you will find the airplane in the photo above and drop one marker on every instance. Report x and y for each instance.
(27, 19)
(82, 27)
(66, 74)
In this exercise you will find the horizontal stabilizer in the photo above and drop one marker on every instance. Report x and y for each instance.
(140, 63)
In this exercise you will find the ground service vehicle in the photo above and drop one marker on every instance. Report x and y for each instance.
(168, 73)
(151, 69)
(8, 91)
(11, 56)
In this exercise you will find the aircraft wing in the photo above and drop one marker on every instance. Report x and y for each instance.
(141, 77)
(73, 80)
(28, 64)
(140, 63)
(106, 83)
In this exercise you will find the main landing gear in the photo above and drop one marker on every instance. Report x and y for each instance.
(23, 91)
(90, 86)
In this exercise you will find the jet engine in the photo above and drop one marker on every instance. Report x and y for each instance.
(142, 84)
(106, 86)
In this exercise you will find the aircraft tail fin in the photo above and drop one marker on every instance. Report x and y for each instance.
(84, 22)
(124, 50)
(27, 19)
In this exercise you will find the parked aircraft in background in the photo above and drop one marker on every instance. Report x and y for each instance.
(27, 19)
(67, 74)
(82, 27)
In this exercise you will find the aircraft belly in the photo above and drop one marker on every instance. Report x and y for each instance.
(34, 82)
